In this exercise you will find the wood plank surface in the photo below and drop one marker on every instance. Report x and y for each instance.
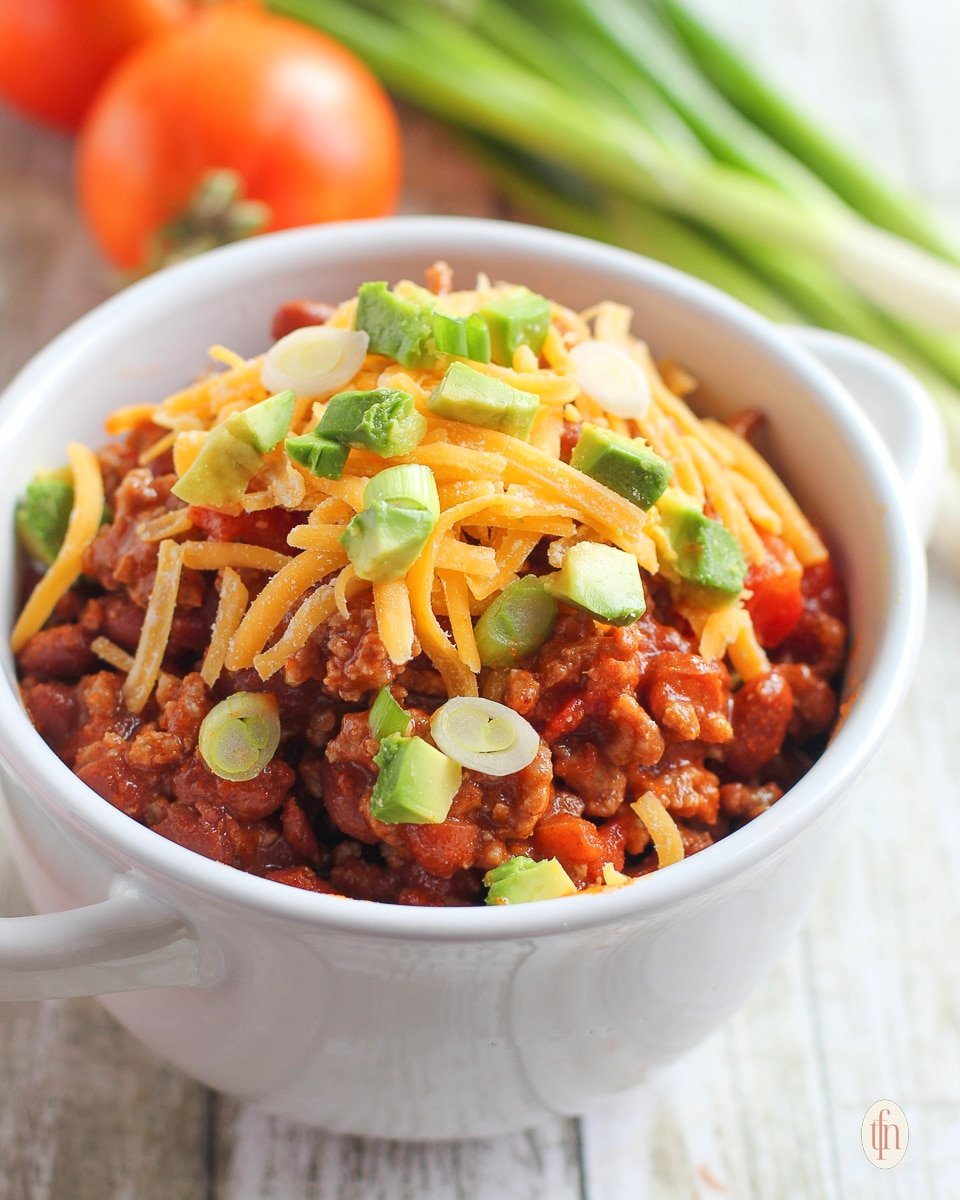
(865, 1005)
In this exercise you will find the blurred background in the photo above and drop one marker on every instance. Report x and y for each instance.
(802, 158)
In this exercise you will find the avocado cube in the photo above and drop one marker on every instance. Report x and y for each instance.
(266, 424)
(384, 540)
(519, 318)
(626, 466)
(321, 456)
(399, 329)
(601, 580)
(416, 784)
(218, 476)
(521, 880)
(708, 555)
(384, 420)
(476, 399)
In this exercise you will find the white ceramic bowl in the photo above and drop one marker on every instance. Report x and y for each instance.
(401, 1022)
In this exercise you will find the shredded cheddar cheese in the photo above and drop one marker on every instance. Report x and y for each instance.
(500, 499)
(152, 646)
(391, 603)
(66, 567)
(661, 826)
(230, 609)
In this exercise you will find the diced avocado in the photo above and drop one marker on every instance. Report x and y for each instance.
(520, 880)
(416, 784)
(384, 540)
(266, 424)
(624, 465)
(43, 515)
(321, 456)
(398, 328)
(519, 318)
(708, 555)
(516, 624)
(602, 580)
(387, 716)
(466, 337)
(218, 476)
(232, 453)
(384, 420)
(466, 395)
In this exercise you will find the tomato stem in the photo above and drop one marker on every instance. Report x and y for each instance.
(217, 214)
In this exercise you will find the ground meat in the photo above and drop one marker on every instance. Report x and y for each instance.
(683, 784)
(347, 654)
(119, 458)
(690, 698)
(742, 802)
(762, 710)
(522, 691)
(619, 711)
(300, 877)
(118, 555)
(270, 528)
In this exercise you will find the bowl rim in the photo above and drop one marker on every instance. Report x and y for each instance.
(162, 863)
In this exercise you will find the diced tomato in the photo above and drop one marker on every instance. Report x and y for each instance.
(268, 528)
(574, 842)
(777, 587)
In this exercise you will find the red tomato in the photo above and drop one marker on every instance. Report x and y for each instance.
(54, 54)
(304, 125)
(777, 586)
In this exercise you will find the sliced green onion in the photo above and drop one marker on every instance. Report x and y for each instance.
(314, 360)
(240, 735)
(521, 880)
(485, 736)
(385, 540)
(384, 420)
(409, 484)
(465, 337)
(476, 399)
(321, 456)
(612, 378)
(516, 624)
(387, 717)
(416, 784)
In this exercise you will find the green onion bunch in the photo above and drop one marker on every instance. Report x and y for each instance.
(631, 122)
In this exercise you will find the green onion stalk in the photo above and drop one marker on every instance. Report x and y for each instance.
(672, 146)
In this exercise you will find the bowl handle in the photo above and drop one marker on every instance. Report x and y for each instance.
(899, 408)
(127, 942)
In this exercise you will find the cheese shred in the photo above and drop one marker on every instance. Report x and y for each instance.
(502, 500)
(82, 528)
(152, 646)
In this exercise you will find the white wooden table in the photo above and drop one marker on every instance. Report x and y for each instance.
(865, 1005)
